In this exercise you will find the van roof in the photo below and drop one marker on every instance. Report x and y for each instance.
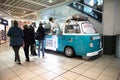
(79, 18)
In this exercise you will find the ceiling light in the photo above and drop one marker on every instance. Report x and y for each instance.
(0, 14)
(24, 11)
(50, 1)
(9, 13)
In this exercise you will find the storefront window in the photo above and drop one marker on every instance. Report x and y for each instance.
(3, 24)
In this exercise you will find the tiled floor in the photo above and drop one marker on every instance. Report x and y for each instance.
(57, 67)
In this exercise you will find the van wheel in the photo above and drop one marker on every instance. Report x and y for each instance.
(69, 52)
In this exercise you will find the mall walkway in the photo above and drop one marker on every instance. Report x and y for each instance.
(57, 67)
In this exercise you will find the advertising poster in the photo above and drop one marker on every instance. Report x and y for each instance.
(51, 43)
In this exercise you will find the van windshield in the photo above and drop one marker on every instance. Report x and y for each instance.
(88, 28)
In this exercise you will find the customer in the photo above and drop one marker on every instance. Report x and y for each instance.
(16, 40)
(41, 35)
(32, 40)
(27, 41)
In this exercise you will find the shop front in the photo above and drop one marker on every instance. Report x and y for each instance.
(3, 26)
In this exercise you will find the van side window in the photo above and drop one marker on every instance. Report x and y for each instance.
(72, 29)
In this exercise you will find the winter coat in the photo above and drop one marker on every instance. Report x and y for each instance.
(27, 36)
(40, 33)
(16, 36)
(32, 35)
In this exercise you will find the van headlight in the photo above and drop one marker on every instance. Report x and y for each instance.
(91, 44)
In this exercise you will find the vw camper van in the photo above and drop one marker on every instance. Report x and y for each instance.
(78, 37)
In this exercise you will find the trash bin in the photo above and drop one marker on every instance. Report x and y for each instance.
(109, 44)
(118, 45)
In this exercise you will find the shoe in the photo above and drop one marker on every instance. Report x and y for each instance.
(15, 60)
(34, 54)
(19, 63)
(44, 57)
(27, 60)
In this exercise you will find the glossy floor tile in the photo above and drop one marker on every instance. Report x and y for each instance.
(55, 66)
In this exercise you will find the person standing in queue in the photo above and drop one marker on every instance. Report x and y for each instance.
(27, 41)
(41, 34)
(16, 40)
(32, 40)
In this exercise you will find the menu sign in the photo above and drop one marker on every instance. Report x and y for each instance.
(3, 21)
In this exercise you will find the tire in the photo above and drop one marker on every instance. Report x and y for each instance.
(69, 52)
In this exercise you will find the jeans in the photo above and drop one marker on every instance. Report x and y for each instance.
(16, 50)
(41, 44)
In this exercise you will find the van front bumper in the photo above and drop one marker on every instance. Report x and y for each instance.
(94, 53)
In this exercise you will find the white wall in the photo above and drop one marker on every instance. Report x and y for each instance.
(108, 17)
(111, 17)
(117, 17)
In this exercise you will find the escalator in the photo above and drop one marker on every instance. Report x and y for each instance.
(92, 8)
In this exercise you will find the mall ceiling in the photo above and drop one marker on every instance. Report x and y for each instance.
(26, 9)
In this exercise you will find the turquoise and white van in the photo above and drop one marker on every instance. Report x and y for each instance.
(77, 38)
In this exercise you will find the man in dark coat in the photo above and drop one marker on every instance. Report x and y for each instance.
(32, 40)
(27, 41)
(41, 35)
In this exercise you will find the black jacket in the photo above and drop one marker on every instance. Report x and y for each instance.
(40, 33)
(28, 36)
